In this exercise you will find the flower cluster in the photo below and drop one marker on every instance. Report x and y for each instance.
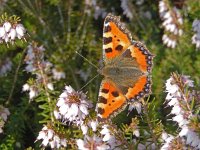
(10, 31)
(33, 91)
(84, 74)
(171, 142)
(4, 113)
(126, 9)
(104, 140)
(91, 124)
(5, 66)
(196, 36)
(109, 137)
(50, 137)
(172, 23)
(133, 130)
(134, 127)
(180, 99)
(36, 64)
(136, 105)
(93, 142)
(148, 144)
(34, 58)
(58, 74)
(99, 11)
(72, 106)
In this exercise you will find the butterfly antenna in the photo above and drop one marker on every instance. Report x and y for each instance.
(89, 82)
(87, 60)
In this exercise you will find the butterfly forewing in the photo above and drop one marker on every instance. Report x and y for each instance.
(116, 38)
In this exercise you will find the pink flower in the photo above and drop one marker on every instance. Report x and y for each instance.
(73, 106)
(50, 137)
(93, 142)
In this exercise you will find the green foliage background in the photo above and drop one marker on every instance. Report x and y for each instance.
(66, 26)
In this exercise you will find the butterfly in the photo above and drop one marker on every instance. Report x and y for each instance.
(127, 68)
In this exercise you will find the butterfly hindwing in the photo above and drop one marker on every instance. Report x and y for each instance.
(134, 65)
(140, 54)
(143, 59)
(110, 100)
(116, 38)
(139, 89)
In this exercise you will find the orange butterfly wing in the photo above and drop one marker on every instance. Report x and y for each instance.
(116, 38)
(110, 100)
(143, 59)
(117, 43)
(141, 55)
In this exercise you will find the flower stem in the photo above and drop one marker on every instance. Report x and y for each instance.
(68, 22)
(46, 88)
(145, 106)
(15, 77)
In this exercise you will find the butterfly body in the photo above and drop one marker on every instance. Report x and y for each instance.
(121, 71)
(126, 71)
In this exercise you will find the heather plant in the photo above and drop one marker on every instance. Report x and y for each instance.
(50, 52)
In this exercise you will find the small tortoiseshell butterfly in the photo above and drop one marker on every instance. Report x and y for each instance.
(127, 65)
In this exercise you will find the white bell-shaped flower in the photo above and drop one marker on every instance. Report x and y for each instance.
(20, 31)
(7, 26)
(12, 34)
(2, 32)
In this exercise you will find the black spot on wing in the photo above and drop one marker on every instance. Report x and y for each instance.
(105, 91)
(102, 100)
(119, 47)
(115, 93)
(101, 110)
(107, 40)
(108, 50)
